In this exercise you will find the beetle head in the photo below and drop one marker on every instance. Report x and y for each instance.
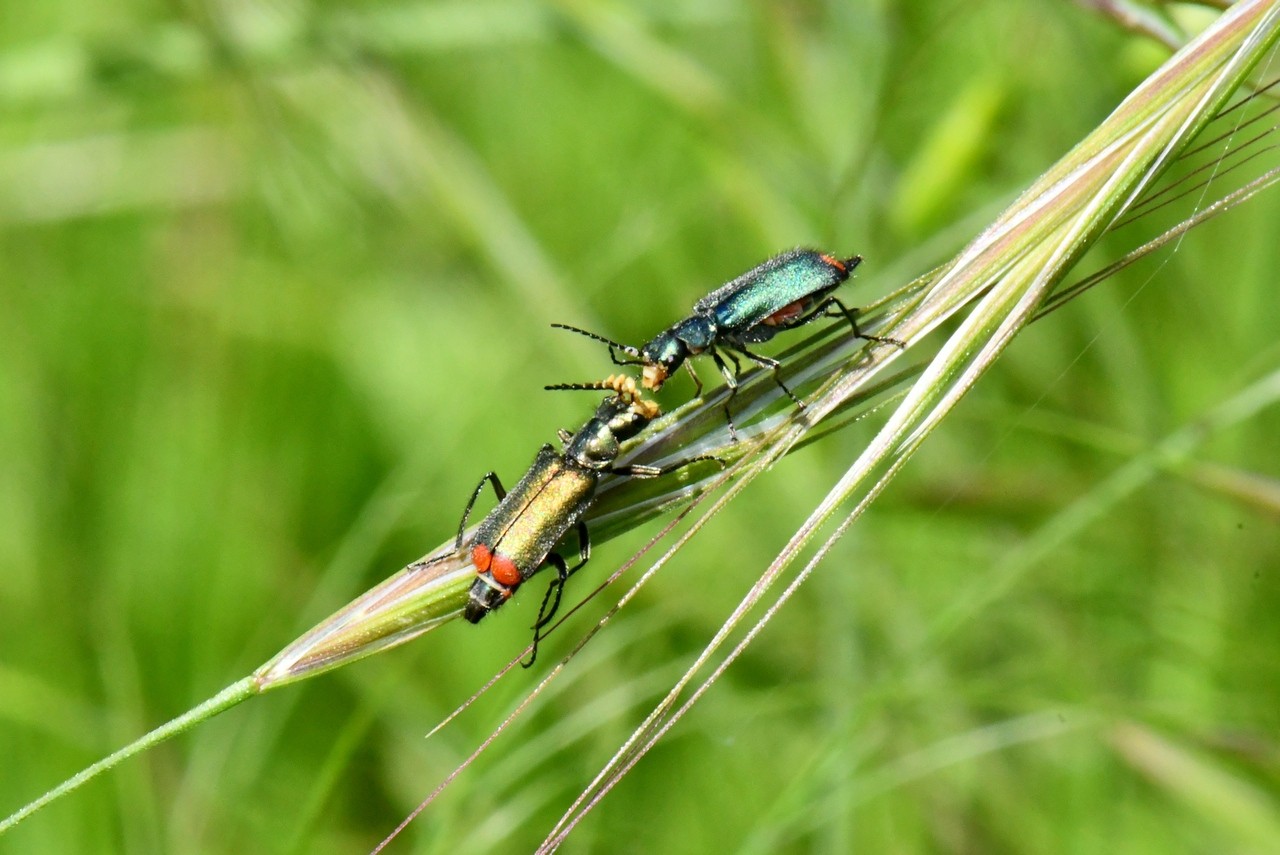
(661, 357)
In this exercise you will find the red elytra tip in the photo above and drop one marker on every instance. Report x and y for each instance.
(834, 262)
(481, 557)
(504, 571)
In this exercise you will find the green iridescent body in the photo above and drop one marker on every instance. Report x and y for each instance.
(775, 295)
(519, 536)
(527, 524)
(787, 291)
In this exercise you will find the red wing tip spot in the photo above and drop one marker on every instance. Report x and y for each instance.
(481, 557)
(834, 262)
(505, 571)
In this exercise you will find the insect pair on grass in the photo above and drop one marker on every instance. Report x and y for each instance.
(519, 536)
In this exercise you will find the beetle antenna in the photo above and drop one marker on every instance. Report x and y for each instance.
(625, 348)
(619, 383)
(587, 387)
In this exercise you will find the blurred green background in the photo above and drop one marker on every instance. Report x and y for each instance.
(275, 286)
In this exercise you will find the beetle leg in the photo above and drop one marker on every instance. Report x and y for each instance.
(551, 599)
(850, 315)
(584, 547)
(490, 477)
(498, 489)
(697, 381)
(639, 470)
(730, 380)
(774, 366)
(737, 366)
(550, 603)
(557, 588)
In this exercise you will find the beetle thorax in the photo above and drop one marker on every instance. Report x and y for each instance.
(596, 445)
(669, 349)
(696, 333)
(593, 447)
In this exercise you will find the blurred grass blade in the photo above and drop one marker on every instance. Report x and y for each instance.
(1009, 269)
(1170, 454)
(231, 696)
(1141, 20)
(1231, 803)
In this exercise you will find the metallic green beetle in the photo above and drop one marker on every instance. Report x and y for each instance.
(519, 536)
(787, 291)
